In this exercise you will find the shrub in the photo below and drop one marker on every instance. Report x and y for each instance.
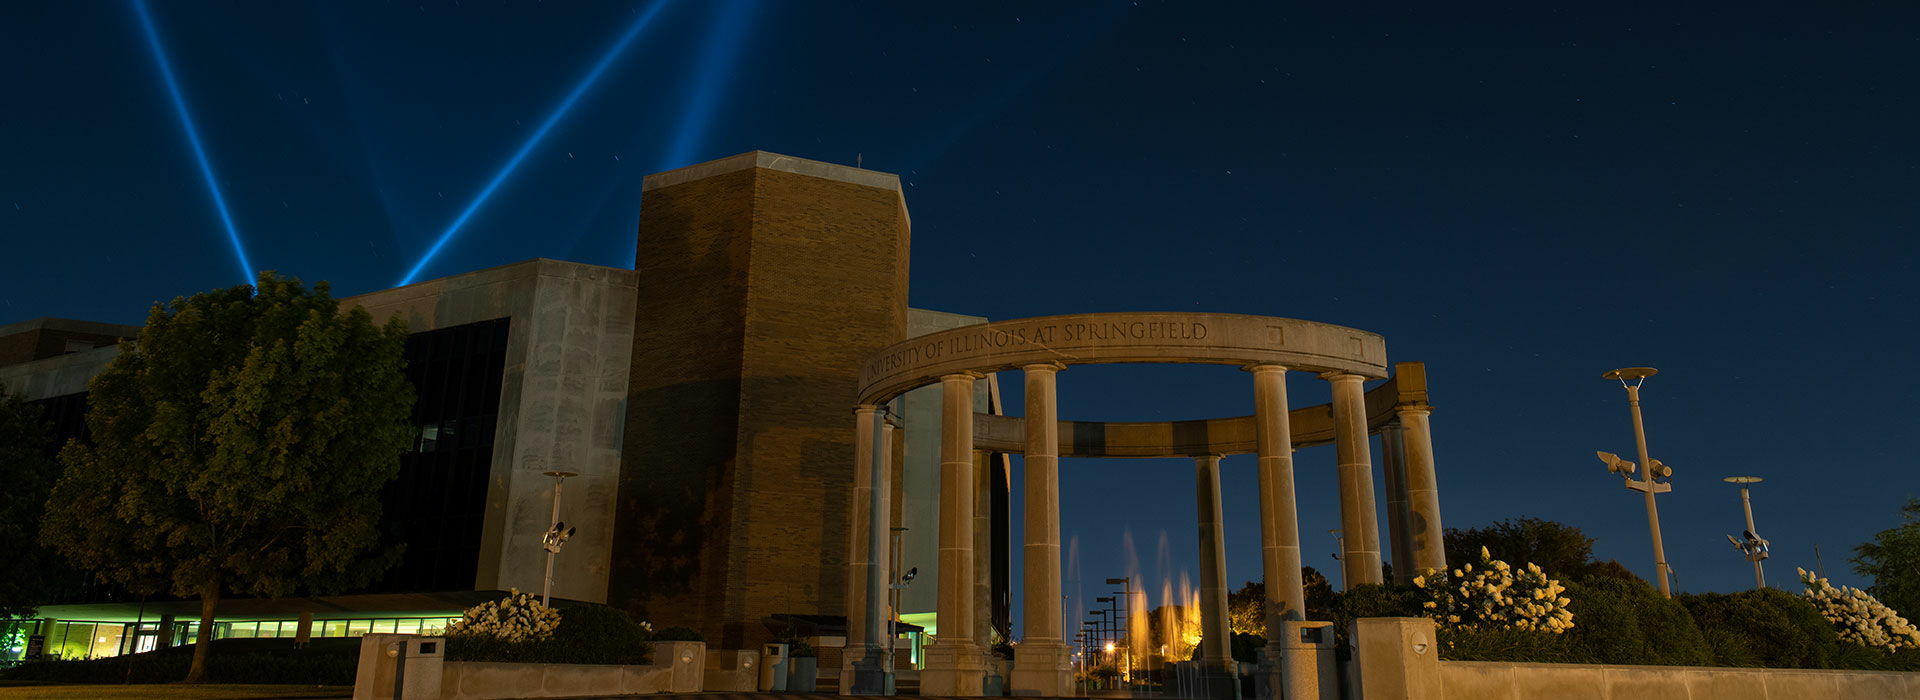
(1779, 629)
(1245, 647)
(1628, 622)
(1858, 617)
(324, 662)
(678, 634)
(517, 618)
(1506, 644)
(1496, 596)
(585, 634)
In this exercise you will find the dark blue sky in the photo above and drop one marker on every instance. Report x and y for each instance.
(1521, 197)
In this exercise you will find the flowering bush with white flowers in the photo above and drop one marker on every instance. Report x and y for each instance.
(519, 617)
(1495, 596)
(1858, 616)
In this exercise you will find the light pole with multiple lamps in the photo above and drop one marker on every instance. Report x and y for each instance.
(1750, 544)
(557, 535)
(1657, 475)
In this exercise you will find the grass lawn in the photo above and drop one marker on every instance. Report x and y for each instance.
(23, 690)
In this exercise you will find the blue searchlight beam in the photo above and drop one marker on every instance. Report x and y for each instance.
(193, 136)
(559, 112)
(723, 48)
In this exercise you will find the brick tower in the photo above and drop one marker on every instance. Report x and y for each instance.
(764, 282)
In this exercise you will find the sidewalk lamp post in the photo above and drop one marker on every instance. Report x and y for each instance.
(1657, 476)
(1752, 545)
(1126, 592)
(557, 535)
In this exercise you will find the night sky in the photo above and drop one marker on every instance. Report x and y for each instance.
(1521, 197)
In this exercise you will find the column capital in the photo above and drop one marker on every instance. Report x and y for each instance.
(1264, 367)
(959, 376)
(1413, 409)
(1338, 376)
(1044, 367)
(865, 409)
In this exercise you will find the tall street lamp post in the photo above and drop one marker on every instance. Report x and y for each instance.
(1750, 544)
(557, 535)
(1657, 475)
(1126, 593)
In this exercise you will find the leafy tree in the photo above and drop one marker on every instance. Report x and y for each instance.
(1562, 550)
(1893, 560)
(240, 446)
(28, 469)
(1247, 607)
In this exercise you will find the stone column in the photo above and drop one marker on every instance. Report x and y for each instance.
(1393, 462)
(1216, 655)
(1042, 663)
(983, 550)
(859, 649)
(955, 666)
(1279, 517)
(1359, 517)
(1423, 491)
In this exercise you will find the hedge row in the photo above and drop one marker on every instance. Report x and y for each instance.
(588, 634)
(325, 662)
(1628, 622)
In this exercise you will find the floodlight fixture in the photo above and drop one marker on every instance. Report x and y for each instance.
(556, 535)
(1654, 479)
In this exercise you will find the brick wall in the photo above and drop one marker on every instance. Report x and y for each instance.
(760, 293)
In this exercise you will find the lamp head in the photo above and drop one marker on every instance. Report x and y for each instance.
(1616, 465)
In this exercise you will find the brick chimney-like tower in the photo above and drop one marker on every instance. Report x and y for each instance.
(764, 282)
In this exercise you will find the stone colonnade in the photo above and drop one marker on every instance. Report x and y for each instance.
(956, 662)
(1267, 348)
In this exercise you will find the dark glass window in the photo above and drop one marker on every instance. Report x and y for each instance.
(66, 418)
(437, 504)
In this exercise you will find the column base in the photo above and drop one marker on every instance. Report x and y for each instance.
(1042, 669)
(953, 670)
(1299, 664)
(1217, 680)
(869, 677)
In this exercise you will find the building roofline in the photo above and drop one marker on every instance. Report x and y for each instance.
(70, 325)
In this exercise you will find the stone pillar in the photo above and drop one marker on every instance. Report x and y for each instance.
(860, 649)
(1423, 491)
(1394, 463)
(1397, 657)
(1279, 524)
(1217, 679)
(955, 666)
(1359, 517)
(1042, 663)
(983, 550)
(1279, 517)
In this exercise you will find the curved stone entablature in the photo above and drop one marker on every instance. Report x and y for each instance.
(1311, 426)
(1108, 338)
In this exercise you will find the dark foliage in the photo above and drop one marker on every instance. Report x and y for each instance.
(588, 634)
(1563, 551)
(1628, 622)
(1768, 626)
(1893, 560)
(324, 662)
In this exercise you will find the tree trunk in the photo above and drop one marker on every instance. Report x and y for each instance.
(204, 640)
